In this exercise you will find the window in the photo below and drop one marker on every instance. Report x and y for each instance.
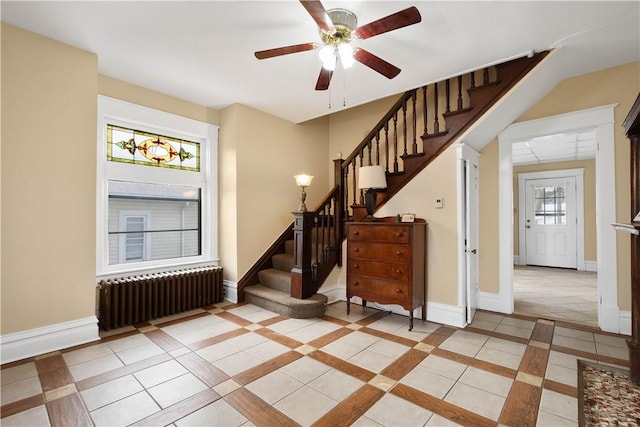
(157, 205)
(550, 205)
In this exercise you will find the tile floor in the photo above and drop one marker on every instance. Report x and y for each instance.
(240, 365)
(556, 293)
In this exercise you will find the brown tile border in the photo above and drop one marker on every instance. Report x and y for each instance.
(494, 334)
(257, 410)
(266, 368)
(272, 320)
(476, 363)
(373, 318)
(21, 405)
(205, 371)
(561, 388)
(387, 336)
(68, 411)
(441, 407)
(534, 361)
(279, 338)
(342, 365)
(438, 336)
(53, 372)
(195, 346)
(542, 333)
(330, 337)
(241, 321)
(164, 324)
(521, 405)
(164, 340)
(335, 320)
(404, 364)
(592, 356)
(353, 407)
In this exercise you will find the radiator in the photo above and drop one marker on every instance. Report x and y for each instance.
(129, 300)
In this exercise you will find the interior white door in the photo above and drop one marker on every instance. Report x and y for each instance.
(551, 222)
(471, 236)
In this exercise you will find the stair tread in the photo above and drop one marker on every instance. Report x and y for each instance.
(283, 297)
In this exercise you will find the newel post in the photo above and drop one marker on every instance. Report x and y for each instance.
(301, 273)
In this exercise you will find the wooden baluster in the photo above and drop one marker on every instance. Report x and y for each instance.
(369, 148)
(473, 80)
(386, 146)
(378, 148)
(395, 142)
(355, 187)
(361, 165)
(485, 76)
(404, 128)
(447, 90)
(414, 146)
(460, 92)
(436, 124)
(425, 108)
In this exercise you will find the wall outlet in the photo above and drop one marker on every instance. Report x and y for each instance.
(439, 202)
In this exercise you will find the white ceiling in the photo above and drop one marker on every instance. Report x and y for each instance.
(562, 147)
(203, 51)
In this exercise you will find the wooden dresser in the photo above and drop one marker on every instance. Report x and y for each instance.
(386, 263)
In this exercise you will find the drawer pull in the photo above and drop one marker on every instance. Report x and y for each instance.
(356, 249)
(399, 234)
(398, 290)
(356, 233)
(398, 271)
(356, 283)
(356, 266)
(399, 253)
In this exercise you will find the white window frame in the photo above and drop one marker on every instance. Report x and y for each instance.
(122, 240)
(118, 112)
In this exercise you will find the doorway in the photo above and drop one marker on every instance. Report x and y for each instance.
(600, 119)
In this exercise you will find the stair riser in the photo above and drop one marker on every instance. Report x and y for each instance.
(275, 281)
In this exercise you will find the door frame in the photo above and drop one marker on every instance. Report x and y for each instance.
(602, 119)
(464, 153)
(578, 174)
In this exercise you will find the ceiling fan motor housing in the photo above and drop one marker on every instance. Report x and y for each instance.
(345, 23)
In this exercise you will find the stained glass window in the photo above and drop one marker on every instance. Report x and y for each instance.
(150, 149)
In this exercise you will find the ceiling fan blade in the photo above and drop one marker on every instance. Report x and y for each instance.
(394, 21)
(324, 79)
(270, 53)
(375, 63)
(319, 14)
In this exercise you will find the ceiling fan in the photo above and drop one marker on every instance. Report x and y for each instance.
(337, 28)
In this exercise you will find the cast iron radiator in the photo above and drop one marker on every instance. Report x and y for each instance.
(129, 300)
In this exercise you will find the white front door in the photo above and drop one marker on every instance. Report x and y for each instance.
(551, 222)
(471, 213)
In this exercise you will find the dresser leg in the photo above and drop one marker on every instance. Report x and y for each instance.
(364, 303)
(348, 305)
(410, 320)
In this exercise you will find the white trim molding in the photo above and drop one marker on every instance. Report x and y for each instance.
(625, 322)
(591, 265)
(488, 301)
(33, 342)
(230, 291)
(602, 120)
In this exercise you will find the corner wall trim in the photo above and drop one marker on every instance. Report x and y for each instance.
(230, 291)
(33, 342)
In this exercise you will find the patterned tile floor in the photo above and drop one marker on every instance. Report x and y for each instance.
(237, 365)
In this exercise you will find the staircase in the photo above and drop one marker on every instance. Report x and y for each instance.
(417, 128)
(273, 291)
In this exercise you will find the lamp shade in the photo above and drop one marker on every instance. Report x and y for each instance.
(303, 180)
(372, 177)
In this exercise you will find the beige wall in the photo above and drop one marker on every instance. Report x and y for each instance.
(618, 85)
(48, 181)
(260, 154)
(589, 196)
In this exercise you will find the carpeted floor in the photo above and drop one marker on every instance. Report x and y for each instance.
(606, 396)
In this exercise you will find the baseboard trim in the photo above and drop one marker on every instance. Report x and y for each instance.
(516, 259)
(591, 266)
(33, 342)
(230, 291)
(488, 301)
(625, 322)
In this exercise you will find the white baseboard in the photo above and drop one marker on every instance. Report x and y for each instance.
(625, 322)
(230, 291)
(516, 259)
(33, 342)
(488, 301)
(590, 265)
(335, 294)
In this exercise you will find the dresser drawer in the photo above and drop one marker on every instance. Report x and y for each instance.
(381, 291)
(383, 270)
(377, 251)
(381, 233)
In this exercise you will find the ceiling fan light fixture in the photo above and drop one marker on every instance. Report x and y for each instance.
(327, 55)
(346, 54)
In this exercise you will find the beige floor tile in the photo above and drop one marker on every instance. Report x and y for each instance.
(365, 422)
(136, 354)
(506, 346)
(237, 363)
(394, 411)
(388, 348)
(160, 373)
(574, 343)
(438, 421)
(126, 343)
(514, 331)
(428, 382)
(306, 405)
(252, 313)
(274, 386)
(559, 405)
(476, 400)
(125, 411)
(94, 367)
(18, 373)
(545, 419)
(372, 361)
(487, 381)
(19, 390)
(177, 389)
(88, 353)
(305, 369)
(248, 340)
(267, 350)
(218, 413)
(336, 385)
(311, 332)
(573, 333)
(613, 351)
(608, 340)
(562, 375)
(502, 358)
(289, 325)
(31, 417)
(444, 367)
(217, 351)
(109, 392)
